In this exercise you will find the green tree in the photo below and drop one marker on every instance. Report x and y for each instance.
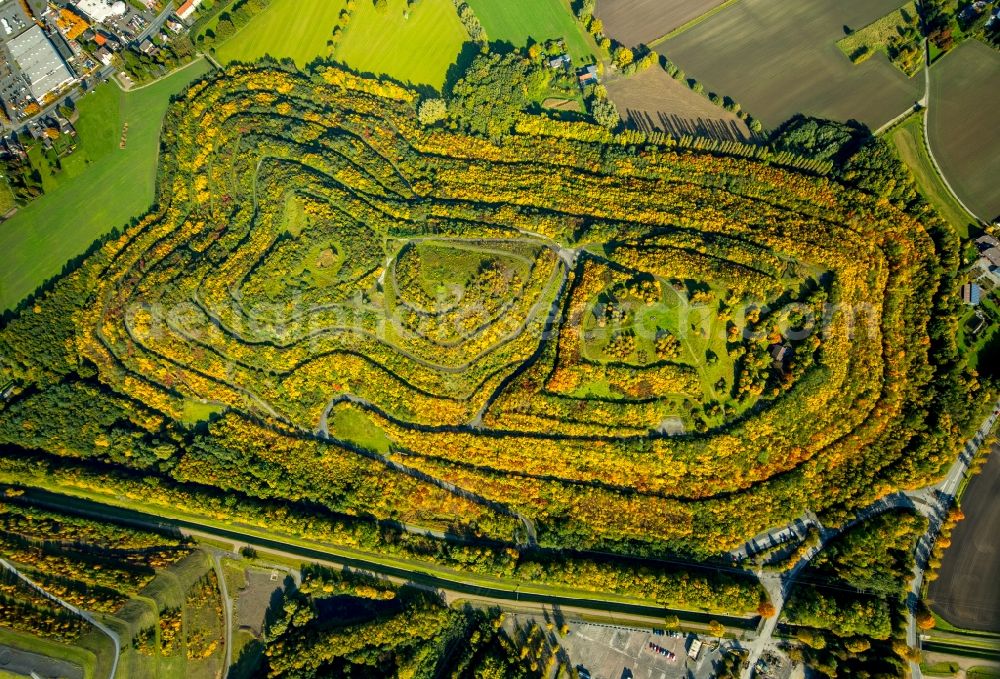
(494, 90)
(605, 113)
(431, 111)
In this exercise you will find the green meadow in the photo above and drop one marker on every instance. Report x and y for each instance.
(100, 186)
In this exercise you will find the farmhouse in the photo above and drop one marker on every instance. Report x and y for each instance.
(41, 64)
(588, 76)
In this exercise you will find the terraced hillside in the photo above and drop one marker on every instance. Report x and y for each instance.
(592, 345)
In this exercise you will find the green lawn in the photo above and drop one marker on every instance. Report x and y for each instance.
(908, 139)
(418, 49)
(516, 21)
(293, 29)
(100, 189)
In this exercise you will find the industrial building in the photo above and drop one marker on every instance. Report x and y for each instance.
(39, 61)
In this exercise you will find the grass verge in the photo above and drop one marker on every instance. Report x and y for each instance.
(911, 146)
(51, 649)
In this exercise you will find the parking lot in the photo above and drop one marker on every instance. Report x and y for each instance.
(611, 652)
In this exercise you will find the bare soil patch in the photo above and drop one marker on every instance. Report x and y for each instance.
(263, 590)
(652, 100)
(779, 58)
(640, 21)
(967, 592)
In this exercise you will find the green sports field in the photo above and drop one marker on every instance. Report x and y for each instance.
(99, 189)
(293, 29)
(516, 21)
(418, 49)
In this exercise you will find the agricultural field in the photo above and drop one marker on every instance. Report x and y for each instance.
(643, 21)
(964, 124)
(287, 29)
(519, 21)
(652, 100)
(778, 59)
(967, 579)
(415, 46)
(354, 286)
(100, 189)
(897, 35)
(908, 138)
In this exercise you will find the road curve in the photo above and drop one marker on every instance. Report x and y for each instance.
(115, 639)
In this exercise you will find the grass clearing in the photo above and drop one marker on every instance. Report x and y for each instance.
(354, 426)
(418, 50)
(196, 411)
(287, 29)
(517, 21)
(114, 187)
(908, 138)
(964, 124)
(777, 59)
(898, 25)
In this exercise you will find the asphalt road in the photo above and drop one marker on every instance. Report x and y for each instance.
(452, 585)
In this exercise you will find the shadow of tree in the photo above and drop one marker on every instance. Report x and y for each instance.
(675, 125)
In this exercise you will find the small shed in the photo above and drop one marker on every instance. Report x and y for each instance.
(972, 294)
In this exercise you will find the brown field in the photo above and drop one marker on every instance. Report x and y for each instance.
(652, 100)
(964, 124)
(641, 21)
(779, 58)
(967, 592)
(562, 104)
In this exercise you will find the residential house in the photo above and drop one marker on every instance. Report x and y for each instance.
(588, 76)
(103, 56)
(561, 61)
(185, 11)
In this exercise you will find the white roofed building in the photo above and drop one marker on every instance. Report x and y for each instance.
(40, 63)
(99, 11)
